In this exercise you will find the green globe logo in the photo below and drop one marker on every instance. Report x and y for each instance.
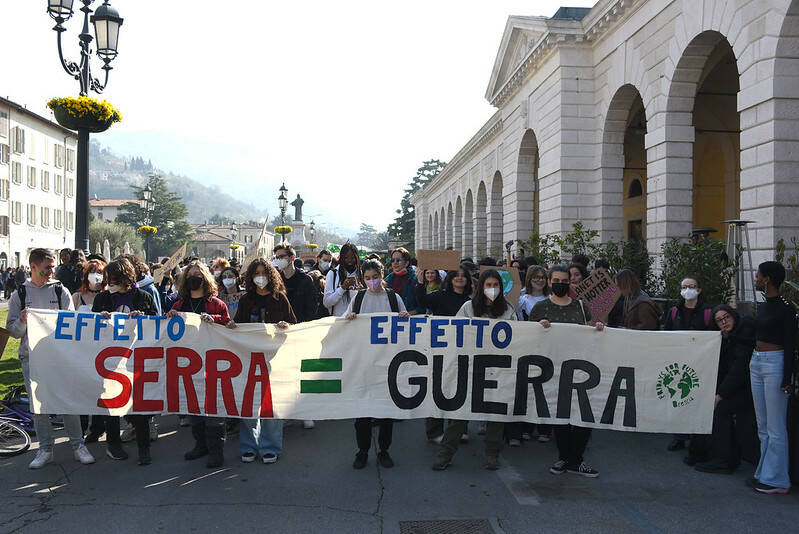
(507, 282)
(676, 382)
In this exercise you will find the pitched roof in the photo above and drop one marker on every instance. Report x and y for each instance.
(109, 202)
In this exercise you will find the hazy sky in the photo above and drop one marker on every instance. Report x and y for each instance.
(341, 100)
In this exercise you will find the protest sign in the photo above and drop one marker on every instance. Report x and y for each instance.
(511, 283)
(231, 300)
(446, 260)
(376, 365)
(173, 261)
(599, 293)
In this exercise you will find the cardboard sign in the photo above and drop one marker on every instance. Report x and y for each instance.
(511, 283)
(171, 263)
(446, 260)
(599, 293)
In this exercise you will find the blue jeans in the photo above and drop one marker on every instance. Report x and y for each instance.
(771, 410)
(261, 436)
(41, 422)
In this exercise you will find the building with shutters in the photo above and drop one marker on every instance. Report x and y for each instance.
(641, 118)
(37, 184)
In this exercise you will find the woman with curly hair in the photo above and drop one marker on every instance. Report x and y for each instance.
(265, 301)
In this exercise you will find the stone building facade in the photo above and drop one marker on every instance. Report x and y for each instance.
(638, 117)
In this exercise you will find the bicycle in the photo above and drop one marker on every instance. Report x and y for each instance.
(16, 423)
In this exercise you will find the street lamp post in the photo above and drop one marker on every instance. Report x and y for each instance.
(283, 201)
(148, 205)
(312, 227)
(106, 21)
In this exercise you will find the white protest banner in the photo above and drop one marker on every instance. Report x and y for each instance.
(375, 365)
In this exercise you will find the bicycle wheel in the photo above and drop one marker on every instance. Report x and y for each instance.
(13, 439)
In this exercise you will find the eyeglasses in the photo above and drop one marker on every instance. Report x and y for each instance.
(396, 260)
(281, 257)
(723, 319)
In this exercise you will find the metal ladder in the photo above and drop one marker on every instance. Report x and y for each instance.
(738, 236)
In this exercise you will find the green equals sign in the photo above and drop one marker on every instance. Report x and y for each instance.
(320, 365)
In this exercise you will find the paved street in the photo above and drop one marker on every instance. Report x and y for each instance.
(313, 488)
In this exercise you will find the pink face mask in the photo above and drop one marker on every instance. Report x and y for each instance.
(374, 285)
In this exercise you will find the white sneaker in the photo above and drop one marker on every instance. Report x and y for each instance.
(437, 439)
(153, 430)
(269, 458)
(464, 438)
(43, 457)
(83, 455)
(308, 424)
(129, 434)
(248, 457)
(514, 443)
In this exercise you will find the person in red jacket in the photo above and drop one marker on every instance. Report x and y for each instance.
(196, 288)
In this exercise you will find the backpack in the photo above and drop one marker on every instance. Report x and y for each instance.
(708, 315)
(59, 289)
(392, 300)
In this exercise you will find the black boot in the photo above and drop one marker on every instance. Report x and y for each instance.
(200, 449)
(144, 456)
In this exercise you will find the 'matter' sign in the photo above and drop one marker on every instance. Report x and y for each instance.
(376, 365)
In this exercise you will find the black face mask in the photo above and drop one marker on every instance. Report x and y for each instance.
(560, 288)
(195, 282)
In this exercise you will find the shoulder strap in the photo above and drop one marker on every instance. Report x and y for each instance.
(673, 313)
(59, 290)
(582, 308)
(392, 300)
(21, 295)
(356, 306)
(708, 313)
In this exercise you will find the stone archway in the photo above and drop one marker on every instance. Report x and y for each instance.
(449, 229)
(527, 187)
(457, 226)
(495, 216)
(623, 186)
(436, 232)
(675, 204)
(481, 222)
(429, 241)
(468, 226)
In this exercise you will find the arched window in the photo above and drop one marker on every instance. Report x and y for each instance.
(635, 189)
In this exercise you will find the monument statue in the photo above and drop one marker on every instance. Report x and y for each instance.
(298, 202)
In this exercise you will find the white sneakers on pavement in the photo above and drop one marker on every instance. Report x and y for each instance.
(83, 455)
(308, 424)
(43, 457)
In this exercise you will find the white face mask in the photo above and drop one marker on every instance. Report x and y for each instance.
(325, 265)
(260, 281)
(217, 272)
(229, 282)
(113, 288)
(689, 293)
(491, 293)
(281, 264)
(95, 279)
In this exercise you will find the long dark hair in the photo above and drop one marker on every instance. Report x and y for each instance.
(447, 285)
(736, 317)
(479, 300)
(342, 271)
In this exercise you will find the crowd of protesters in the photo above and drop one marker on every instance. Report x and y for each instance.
(754, 374)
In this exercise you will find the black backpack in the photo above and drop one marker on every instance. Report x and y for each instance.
(59, 290)
(392, 300)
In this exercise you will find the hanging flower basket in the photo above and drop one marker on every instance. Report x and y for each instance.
(234, 246)
(283, 229)
(152, 230)
(313, 245)
(84, 113)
